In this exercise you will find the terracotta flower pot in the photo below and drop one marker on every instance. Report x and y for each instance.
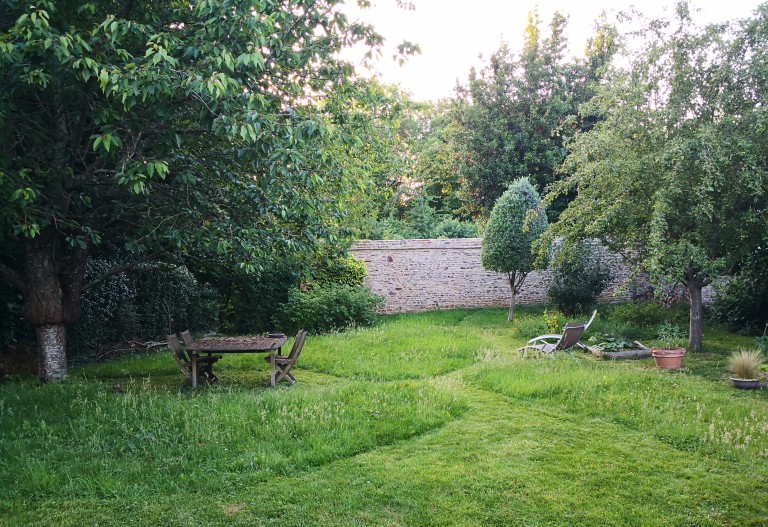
(668, 359)
(746, 384)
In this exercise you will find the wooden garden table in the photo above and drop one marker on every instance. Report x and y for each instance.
(258, 344)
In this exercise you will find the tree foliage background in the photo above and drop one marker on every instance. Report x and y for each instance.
(674, 174)
(199, 130)
(515, 116)
(227, 137)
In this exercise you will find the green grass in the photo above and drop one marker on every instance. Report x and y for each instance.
(426, 419)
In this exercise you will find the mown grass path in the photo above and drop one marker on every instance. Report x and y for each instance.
(491, 441)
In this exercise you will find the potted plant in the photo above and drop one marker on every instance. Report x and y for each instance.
(745, 366)
(671, 349)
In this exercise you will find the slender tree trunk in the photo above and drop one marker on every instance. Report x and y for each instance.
(516, 280)
(53, 282)
(696, 327)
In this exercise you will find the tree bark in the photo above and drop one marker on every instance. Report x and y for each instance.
(53, 282)
(516, 280)
(696, 324)
(52, 352)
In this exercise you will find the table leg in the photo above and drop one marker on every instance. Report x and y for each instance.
(194, 369)
(272, 369)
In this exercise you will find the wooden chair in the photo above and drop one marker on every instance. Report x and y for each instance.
(204, 364)
(284, 363)
(184, 362)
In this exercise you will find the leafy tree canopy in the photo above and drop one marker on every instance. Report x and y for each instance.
(516, 221)
(516, 114)
(676, 176)
(165, 126)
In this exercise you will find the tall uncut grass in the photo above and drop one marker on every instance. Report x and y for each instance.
(424, 420)
(81, 440)
(683, 411)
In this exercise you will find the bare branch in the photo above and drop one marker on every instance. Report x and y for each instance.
(112, 272)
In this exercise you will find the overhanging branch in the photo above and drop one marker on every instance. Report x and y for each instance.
(112, 272)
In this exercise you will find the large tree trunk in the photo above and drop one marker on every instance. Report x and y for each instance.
(696, 324)
(53, 282)
(511, 314)
(52, 352)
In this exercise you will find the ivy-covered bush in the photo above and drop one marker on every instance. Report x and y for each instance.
(642, 320)
(643, 314)
(742, 304)
(346, 270)
(329, 308)
(169, 298)
(145, 302)
(580, 274)
(253, 302)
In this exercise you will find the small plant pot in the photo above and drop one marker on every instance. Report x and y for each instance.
(668, 359)
(746, 384)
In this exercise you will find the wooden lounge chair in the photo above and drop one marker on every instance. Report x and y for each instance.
(284, 363)
(204, 364)
(566, 341)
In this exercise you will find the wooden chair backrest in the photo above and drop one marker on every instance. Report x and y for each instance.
(298, 344)
(175, 346)
(185, 364)
(186, 337)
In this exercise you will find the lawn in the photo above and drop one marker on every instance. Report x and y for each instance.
(427, 419)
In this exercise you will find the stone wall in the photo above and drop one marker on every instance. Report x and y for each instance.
(419, 275)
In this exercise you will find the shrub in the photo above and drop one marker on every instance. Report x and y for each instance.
(253, 302)
(639, 321)
(346, 270)
(671, 336)
(742, 304)
(530, 326)
(645, 314)
(580, 274)
(169, 299)
(329, 308)
(145, 302)
(422, 218)
(108, 310)
(391, 229)
(554, 320)
(13, 328)
(453, 228)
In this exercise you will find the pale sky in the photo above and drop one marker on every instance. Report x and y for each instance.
(452, 33)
